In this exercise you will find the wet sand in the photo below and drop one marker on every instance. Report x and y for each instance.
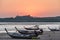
(49, 35)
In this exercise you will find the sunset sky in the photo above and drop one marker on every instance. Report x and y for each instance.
(36, 8)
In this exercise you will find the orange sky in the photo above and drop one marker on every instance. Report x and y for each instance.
(38, 8)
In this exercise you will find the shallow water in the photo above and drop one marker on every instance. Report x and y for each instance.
(20, 25)
(47, 35)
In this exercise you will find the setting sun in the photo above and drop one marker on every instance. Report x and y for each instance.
(38, 8)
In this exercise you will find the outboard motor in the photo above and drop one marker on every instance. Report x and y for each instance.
(41, 31)
(36, 33)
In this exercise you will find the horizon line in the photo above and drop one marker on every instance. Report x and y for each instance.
(29, 16)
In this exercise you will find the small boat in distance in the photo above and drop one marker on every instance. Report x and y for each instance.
(53, 29)
(21, 36)
(39, 32)
(35, 28)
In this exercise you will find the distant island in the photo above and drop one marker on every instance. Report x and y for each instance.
(29, 18)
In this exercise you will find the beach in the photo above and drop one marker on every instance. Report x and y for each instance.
(47, 35)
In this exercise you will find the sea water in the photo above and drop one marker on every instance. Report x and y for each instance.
(10, 26)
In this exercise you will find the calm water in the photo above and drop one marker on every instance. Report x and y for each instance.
(20, 25)
(29, 23)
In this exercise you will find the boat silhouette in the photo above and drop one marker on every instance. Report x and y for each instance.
(35, 28)
(53, 29)
(39, 32)
(21, 36)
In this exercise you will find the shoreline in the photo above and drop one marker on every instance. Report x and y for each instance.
(46, 36)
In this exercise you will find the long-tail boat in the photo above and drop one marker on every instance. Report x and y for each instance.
(29, 31)
(21, 36)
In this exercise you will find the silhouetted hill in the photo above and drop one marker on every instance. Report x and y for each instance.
(29, 18)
